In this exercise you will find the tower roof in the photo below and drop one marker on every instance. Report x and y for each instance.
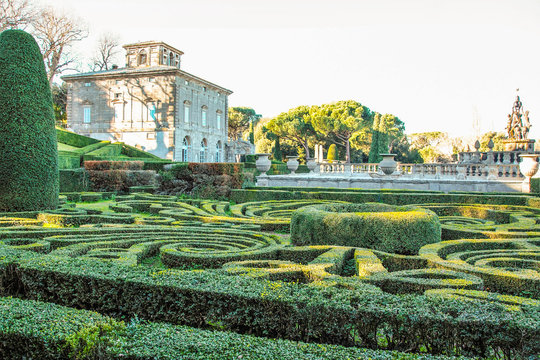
(152, 43)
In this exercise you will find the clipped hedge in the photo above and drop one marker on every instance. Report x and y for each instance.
(344, 313)
(205, 180)
(29, 155)
(74, 180)
(113, 165)
(383, 196)
(118, 175)
(50, 331)
(402, 230)
(73, 139)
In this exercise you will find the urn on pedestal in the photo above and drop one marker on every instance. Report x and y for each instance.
(263, 163)
(528, 167)
(292, 164)
(311, 164)
(388, 165)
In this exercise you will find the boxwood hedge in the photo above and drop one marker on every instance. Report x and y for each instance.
(50, 331)
(339, 312)
(402, 230)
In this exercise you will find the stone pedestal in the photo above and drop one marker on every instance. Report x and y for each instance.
(519, 145)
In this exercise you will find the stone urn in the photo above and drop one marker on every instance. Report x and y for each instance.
(388, 165)
(528, 167)
(311, 165)
(292, 164)
(263, 163)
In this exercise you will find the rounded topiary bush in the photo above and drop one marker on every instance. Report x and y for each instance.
(395, 229)
(28, 149)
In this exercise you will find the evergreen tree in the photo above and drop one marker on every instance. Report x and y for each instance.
(374, 149)
(29, 161)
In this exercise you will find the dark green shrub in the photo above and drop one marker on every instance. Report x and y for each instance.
(402, 230)
(74, 180)
(29, 163)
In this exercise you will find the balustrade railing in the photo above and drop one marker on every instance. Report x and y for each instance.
(451, 170)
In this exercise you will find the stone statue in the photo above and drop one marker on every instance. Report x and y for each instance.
(516, 127)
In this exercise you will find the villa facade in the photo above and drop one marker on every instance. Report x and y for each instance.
(152, 104)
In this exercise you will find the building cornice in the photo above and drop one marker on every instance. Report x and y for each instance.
(138, 72)
(152, 43)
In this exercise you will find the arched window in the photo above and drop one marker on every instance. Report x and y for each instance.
(204, 150)
(218, 151)
(142, 58)
(171, 59)
(186, 147)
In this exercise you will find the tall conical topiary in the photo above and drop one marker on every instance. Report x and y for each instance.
(28, 148)
(332, 153)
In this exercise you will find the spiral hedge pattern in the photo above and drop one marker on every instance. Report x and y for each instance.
(207, 263)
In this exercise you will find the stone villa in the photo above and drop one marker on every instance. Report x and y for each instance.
(154, 105)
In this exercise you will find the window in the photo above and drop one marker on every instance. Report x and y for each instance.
(186, 113)
(142, 58)
(218, 151)
(218, 121)
(204, 88)
(87, 84)
(118, 112)
(118, 95)
(203, 117)
(171, 59)
(151, 79)
(118, 82)
(204, 149)
(185, 149)
(87, 117)
(186, 82)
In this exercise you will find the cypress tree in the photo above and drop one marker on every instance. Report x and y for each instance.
(383, 136)
(374, 148)
(28, 149)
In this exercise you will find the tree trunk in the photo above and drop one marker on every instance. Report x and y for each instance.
(348, 154)
(306, 147)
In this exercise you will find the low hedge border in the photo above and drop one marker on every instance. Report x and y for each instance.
(319, 312)
(420, 280)
(453, 255)
(392, 198)
(49, 331)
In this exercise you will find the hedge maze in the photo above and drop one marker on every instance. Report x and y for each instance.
(144, 276)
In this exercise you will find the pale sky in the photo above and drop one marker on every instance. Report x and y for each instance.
(436, 64)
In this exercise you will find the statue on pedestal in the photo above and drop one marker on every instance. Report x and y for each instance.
(518, 127)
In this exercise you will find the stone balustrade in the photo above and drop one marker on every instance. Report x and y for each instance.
(491, 171)
(489, 157)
